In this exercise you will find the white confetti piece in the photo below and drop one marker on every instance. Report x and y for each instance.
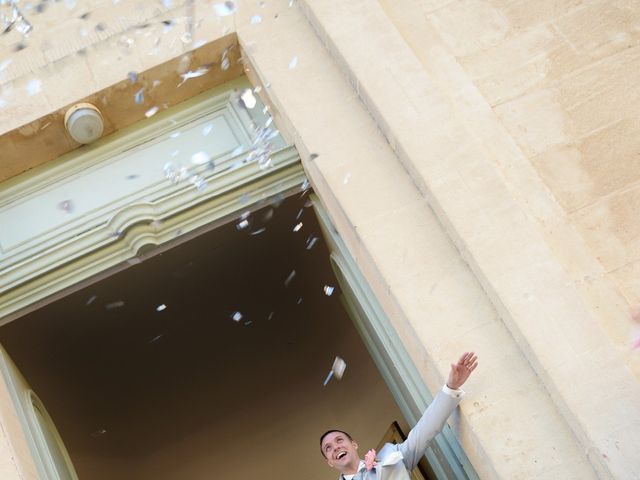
(99, 433)
(237, 316)
(311, 242)
(293, 63)
(328, 290)
(116, 304)
(151, 112)
(259, 231)
(156, 338)
(133, 77)
(161, 307)
(248, 100)
(206, 130)
(34, 86)
(242, 224)
(346, 178)
(256, 19)
(224, 9)
(5, 63)
(200, 158)
(90, 300)
(337, 370)
(289, 278)
(193, 74)
(297, 227)
(198, 182)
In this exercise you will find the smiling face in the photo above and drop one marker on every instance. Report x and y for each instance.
(341, 452)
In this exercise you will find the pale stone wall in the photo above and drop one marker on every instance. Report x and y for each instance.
(479, 158)
(560, 79)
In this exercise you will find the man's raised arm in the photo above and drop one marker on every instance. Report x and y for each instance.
(435, 416)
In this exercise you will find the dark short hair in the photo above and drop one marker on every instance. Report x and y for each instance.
(331, 431)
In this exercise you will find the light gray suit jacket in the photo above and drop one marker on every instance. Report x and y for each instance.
(395, 462)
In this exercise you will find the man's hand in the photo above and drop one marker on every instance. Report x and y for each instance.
(370, 459)
(460, 371)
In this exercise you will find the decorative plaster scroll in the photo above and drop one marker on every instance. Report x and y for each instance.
(119, 200)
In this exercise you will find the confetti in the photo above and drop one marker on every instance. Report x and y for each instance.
(14, 19)
(311, 241)
(193, 74)
(91, 299)
(242, 224)
(237, 316)
(293, 63)
(175, 135)
(346, 178)
(99, 433)
(248, 322)
(328, 290)
(337, 370)
(297, 227)
(151, 112)
(256, 19)
(304, 185)
(5, 63)
(206, 130)
(66, 206)
(270, 315)
(200, 158)
(156, 338)
(247, 99)
(300, 212)
(224, 9)
(139, 96)
(34, 86)
(116, 304)
(161, 307)
(198, 182)
(289, 278)
(258, 232)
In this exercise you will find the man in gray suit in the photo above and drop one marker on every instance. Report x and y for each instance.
(395, 462)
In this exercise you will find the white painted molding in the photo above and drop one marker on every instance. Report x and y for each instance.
(120, 201)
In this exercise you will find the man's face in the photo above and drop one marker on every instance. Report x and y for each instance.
(339, 450)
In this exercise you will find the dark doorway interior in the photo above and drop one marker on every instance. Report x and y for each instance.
(195, 391)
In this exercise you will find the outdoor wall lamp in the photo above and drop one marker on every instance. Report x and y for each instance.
(84, 123)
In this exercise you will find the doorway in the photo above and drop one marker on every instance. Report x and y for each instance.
(207, 359)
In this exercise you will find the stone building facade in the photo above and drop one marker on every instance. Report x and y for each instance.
(479, 159)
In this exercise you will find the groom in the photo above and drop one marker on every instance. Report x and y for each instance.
(395, 462)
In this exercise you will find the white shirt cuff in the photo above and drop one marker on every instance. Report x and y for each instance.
(451, 392)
